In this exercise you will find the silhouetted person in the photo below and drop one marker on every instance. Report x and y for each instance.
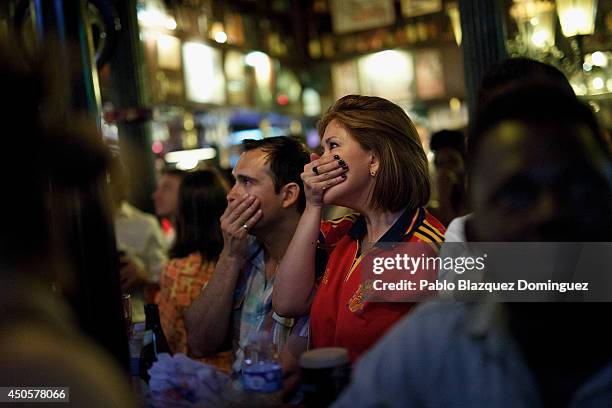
(498, 79)
(40, 344)
(448, 147)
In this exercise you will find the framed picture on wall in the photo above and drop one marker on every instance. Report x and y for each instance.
(388, 74)
(429, 74)
(356, 15)
(345, 78)
(414, 8)
(204, 77)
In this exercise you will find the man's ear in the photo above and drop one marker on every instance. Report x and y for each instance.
(291, 194)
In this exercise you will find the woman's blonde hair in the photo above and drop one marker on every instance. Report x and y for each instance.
(382, 127)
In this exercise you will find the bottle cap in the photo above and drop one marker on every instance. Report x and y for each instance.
(325, 357)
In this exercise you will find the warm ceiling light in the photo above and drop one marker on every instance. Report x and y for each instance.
(218, 33)
(577, 17)
(600, 59)
(452, 10)
(205, 153)
(535, 21)
(256, 59)
(156, 19)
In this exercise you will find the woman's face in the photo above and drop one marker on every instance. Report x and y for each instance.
(354, 191)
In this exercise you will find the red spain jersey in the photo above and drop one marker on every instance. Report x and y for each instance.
(341, 315)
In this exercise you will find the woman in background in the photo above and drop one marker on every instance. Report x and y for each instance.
(201, 202)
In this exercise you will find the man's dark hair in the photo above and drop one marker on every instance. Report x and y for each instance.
(508, 72)
(453, 139)
(513, 73)
(201, 202)
(287, 158)
(537, 104)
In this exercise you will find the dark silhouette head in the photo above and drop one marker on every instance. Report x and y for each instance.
(47, 152)
(449, 149)
(538, 171)
(508, 72)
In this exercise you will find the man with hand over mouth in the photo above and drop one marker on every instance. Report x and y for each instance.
(264, 208)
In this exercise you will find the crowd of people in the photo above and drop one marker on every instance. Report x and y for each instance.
(255, 257)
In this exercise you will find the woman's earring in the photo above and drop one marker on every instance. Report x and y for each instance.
(372, 173)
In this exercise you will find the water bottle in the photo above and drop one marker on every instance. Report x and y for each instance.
(262, 376)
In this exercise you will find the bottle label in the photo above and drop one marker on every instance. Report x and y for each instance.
(148, 338)
(263, 376)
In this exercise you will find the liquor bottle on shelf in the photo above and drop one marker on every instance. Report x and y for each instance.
(422, 32)
(411, 33)
(153, 342)
(315, 49)
(320, 6)
(328, 44)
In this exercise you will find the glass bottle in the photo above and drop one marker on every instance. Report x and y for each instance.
(153, 342)
(325, 373)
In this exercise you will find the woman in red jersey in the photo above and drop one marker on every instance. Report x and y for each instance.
(373, 163)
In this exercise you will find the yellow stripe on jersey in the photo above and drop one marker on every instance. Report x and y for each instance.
(414, 218)
(428, 227)
(425, 231)
(424, 238)
(350, 217)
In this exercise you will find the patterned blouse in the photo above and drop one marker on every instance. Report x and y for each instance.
(180, 284)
